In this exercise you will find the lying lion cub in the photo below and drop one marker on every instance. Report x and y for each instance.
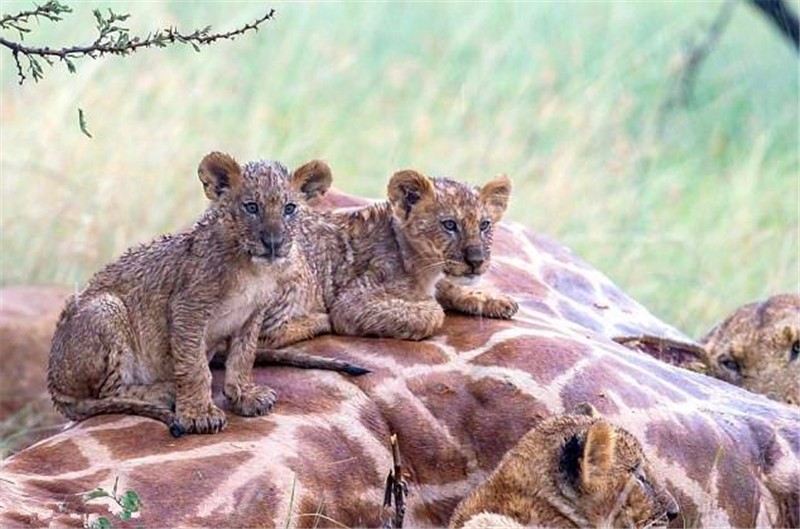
(139, 337)
(570, 471)
(758, 348)
(380, 269)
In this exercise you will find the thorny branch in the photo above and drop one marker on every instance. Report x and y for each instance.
(112, 39)
(52, 11)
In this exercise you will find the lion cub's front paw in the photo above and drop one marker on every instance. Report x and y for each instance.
(499, 306)
(253, 401)
(202, 418)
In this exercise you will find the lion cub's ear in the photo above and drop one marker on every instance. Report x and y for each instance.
(495, 195)
(598, 454)
(407, 189)
(313, 179)
(220, 175)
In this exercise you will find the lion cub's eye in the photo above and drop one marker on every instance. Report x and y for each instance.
(250, 207)
(289, 208)
(730, 364)
(795, 351)
(485, 224)
(450, 225)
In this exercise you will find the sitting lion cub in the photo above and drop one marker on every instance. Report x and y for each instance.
(381, 269)
(139, 337)
(570, 471)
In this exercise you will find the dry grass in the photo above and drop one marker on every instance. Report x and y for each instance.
(692, 219)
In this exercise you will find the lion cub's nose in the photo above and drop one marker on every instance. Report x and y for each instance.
(272, 241)
(673, 511)
(474, 257)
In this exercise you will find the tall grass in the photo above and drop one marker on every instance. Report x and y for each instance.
(692, 212)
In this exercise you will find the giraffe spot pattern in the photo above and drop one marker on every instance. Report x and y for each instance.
(456, 402)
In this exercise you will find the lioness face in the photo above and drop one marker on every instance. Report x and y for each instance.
(263, 203)
(448, 223)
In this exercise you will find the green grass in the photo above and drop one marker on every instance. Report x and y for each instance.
(692, 218)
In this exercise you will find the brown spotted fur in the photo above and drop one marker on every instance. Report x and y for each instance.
(138, 338)
(570, 471)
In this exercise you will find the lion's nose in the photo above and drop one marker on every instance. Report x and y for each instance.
(474, 257)
(672, 510)
(272, 241)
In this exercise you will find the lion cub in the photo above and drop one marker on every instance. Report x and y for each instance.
(570, 471)
(758, 348)
(405, 251)
(139, 337)
(382, 268)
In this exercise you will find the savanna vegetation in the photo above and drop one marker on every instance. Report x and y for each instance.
(692, 208)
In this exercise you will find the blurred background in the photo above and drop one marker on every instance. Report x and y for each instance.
(691, 208)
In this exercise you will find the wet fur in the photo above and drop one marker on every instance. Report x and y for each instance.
(384, 270)
(139, 337)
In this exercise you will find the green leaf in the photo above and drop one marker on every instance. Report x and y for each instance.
(82, 124)
(70, 65)
(130, 501)
(96, 493)
(125, 516)
(101, 523)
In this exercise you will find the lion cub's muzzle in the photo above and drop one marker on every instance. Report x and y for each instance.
(671, 507)
(274, 246)
(475, 259)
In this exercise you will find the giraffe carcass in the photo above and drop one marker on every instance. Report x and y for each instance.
(457, 402)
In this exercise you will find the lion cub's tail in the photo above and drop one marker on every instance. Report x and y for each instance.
(295, 358)
(292, 357)
(78, 409)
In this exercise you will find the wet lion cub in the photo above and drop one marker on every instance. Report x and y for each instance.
(139, 337)
(389, 269)
(570, 471)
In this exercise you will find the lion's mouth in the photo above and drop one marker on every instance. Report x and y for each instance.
(466, 279)
(269, 257)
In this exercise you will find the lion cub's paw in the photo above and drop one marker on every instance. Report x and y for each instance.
(500, 307)
(202, 418)
(254, 401)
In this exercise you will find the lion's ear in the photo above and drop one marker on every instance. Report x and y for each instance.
(220, 174)
(313, 179)
(495, 194)
(407, 189)
(598, 454)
